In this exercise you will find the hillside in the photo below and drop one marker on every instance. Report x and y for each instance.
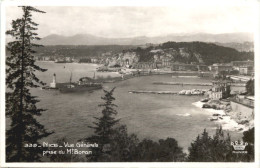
(246, 46)
(187, 52)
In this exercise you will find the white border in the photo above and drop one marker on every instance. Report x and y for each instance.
(2, 89)
(5, 3)
(127, 2)
(257, 85)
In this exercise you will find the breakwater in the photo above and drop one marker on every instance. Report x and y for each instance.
(153, 92)
(179, 83)
(195, 92)
(194, 84)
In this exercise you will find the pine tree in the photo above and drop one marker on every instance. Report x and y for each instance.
(250, 87)
(104, 129)
(249, 137)
(217, 149)
(20, 104)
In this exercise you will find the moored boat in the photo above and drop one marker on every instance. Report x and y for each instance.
(74, 87)
(84, 84)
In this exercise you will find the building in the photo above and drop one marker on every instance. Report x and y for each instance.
(242, 63)
(202, 67)
(184, 67)
(246, 70)
(46, 58)
(68, 59)
(144, 65)
(220, 90)
(220, 67)
(94, 60)
(107, 54)
(166, 62)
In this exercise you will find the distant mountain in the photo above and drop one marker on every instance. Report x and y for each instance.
(87, 39)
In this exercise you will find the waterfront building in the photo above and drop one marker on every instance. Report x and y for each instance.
(202, 67)
(107, 54)
(184, 67)
(68, 59)
(145, 65)
(46, 58)
(220, 90)
(94, 60)
(166, 61)
(159, 64)
(244, 67)
(220, 67)
(76, 60)
(242, 63)
(246, 70)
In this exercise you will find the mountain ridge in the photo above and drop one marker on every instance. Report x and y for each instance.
(88, 39)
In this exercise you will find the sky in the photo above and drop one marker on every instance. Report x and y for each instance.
(132, 21)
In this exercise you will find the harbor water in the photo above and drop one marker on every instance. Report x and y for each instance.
(151, 116)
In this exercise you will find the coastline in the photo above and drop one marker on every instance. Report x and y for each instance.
(228, 122)
(72, 63)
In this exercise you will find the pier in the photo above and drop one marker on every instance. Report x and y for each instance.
(193, 92)
(195, 84)
(153, 92)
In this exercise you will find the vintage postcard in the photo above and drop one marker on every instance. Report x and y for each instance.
(149, 84)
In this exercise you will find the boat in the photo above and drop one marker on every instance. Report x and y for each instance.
(48, 88)
(75, 87)
(84, 84)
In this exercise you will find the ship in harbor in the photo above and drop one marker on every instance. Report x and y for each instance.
(84, 84)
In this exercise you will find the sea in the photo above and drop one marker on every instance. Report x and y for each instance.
(151, 116)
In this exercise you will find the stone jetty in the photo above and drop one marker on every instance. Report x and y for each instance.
(153, 92)
(194, 84)
(198, 92)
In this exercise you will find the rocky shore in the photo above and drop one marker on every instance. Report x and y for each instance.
(223, 114)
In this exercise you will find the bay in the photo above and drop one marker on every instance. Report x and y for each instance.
(152, 116)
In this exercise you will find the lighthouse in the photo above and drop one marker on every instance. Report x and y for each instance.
(53, 84)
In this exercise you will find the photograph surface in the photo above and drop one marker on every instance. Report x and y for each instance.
(129, 83)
